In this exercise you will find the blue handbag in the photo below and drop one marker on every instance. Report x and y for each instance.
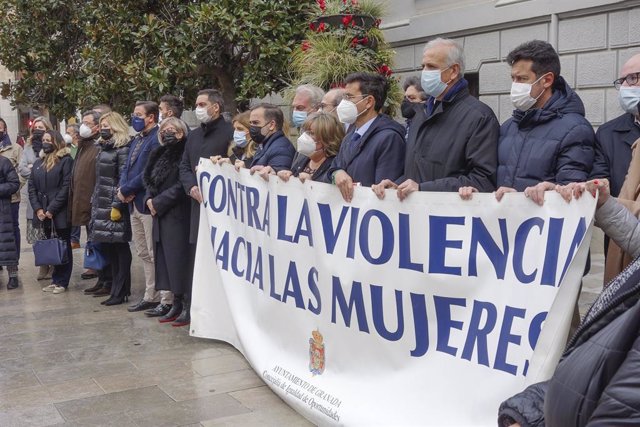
(51, 251)
(94, 259)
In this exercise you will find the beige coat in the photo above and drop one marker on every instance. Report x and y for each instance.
(13, 152)
(629, 196)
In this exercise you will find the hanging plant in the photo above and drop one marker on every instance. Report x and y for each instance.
(343, 38)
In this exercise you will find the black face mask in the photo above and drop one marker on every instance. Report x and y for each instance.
(47, 148)
(169, 138)
(36, 135)
(408, 109)
(256, 134)
(2, 134)
(106, 134)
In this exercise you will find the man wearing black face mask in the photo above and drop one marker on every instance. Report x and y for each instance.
(414, 97)
(275, 152)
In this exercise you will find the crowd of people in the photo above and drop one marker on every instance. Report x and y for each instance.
(144, 188)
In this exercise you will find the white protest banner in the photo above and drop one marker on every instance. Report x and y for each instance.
(421, 312)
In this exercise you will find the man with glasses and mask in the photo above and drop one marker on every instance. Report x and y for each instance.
(331, 100)
(616, 158)
(453, 138)
(373, 148)
(83, 182)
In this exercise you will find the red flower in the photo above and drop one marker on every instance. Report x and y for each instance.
(364, 40)
(322, 4)
(312, 26)
(385, 70)
(305, 45)
(354, 42)
(347, 19)
(322, 27)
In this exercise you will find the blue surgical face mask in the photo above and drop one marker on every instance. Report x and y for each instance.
(432, 83)
(240, 138)
(137, 123)
(298, 118)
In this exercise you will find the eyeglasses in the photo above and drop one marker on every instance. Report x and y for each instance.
(350, 97)
(631, 79)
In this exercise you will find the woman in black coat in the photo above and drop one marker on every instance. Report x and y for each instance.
(596, 382)
(49, 195)
(171, 210)
(109, 225)
(9, 184)
(317, 146)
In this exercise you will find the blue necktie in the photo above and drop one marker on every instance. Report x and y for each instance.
(353, 144)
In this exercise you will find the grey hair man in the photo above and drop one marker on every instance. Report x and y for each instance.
(453, 139)
(306, 100)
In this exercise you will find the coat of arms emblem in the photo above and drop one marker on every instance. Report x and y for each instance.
(316, 353)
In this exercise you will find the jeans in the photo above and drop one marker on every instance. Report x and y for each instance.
(61, 273)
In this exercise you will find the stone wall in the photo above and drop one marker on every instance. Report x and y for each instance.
(593, 44)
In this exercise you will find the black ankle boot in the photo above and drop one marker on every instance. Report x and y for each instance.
(174, 313)
(185, 317)
(12, 283)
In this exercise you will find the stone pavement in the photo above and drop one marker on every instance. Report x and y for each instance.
(66, 360)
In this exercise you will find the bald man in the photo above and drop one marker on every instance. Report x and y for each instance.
(330, 101)
(615, 138)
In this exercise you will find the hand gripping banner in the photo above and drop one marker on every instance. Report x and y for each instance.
(380, 312)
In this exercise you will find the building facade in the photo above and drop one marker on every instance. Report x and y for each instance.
(594, 38)
(7, 112)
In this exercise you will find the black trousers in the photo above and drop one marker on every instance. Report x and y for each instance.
(119, 255)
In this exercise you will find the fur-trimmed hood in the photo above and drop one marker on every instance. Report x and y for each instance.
(65, 151)
(163, 161)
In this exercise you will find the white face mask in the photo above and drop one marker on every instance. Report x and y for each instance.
(160, 118)
(348, 111)
(67, 139)
(202, 115)
(521, 95)
(85, 131)
(629, 97)
(306, 145)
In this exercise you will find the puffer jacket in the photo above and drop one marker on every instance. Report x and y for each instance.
(595, 384)
(109, 165)
(554, 143)
(9, 183)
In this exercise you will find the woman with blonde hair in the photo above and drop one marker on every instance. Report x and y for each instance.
(49, 195)
(109, 226)
(318, 144)
(29, 156)
(243, 147)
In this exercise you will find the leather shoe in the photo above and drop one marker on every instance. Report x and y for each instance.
(93, 289)
(142, 305)
(160, 310)
(89, 274)
(115, 301)
(102, 292)
(12, 283)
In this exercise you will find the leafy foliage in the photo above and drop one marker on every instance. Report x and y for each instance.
(344, 38)
(77, 53)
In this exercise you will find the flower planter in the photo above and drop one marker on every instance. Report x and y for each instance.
(338, 21)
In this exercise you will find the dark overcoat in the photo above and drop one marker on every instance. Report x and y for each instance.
(171, 222)
(210, 139)
(49, 190)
